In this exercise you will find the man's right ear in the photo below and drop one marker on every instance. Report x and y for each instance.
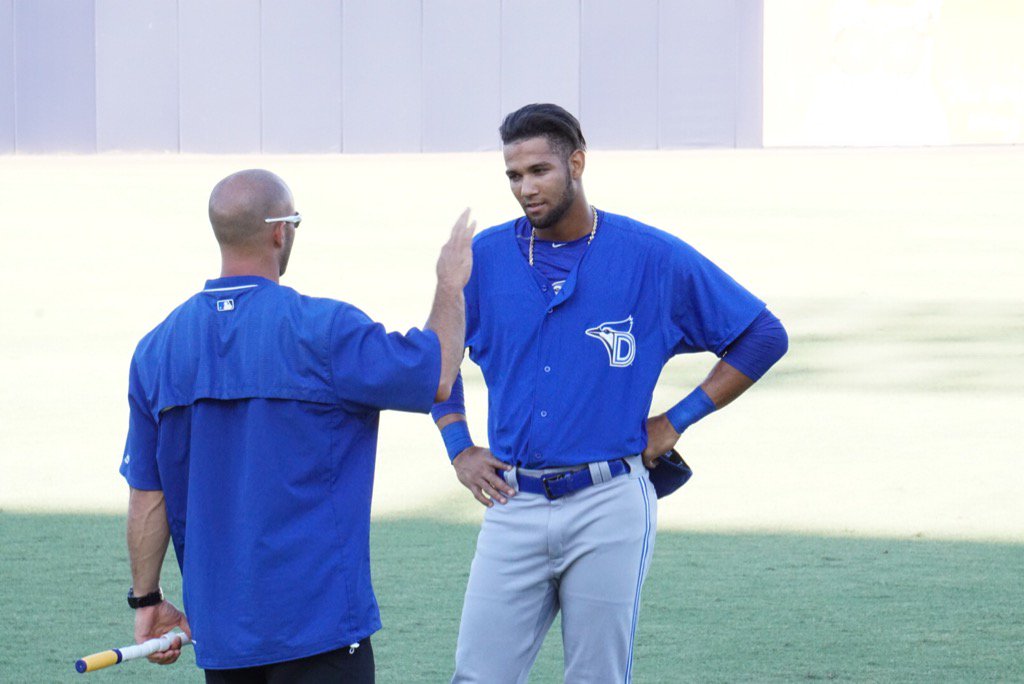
(577, 162)
(278, 234)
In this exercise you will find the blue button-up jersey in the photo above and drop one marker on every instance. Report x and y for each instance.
(570, 376)
(255, 410)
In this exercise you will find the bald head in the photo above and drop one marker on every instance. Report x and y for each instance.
(240, 203)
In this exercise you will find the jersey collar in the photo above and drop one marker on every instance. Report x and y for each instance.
(242, 282)
(569, 286)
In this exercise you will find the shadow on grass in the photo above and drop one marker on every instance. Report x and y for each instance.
(716, 608)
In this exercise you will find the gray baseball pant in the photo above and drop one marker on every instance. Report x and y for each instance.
(586, 554)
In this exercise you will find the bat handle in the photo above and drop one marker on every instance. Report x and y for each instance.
(98, 661)
(155, 645)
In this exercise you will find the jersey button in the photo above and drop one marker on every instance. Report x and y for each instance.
(543, 288)
(547, 369)
(543, 414)
(551, 311)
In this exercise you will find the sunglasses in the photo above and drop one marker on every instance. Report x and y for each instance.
(295, 219)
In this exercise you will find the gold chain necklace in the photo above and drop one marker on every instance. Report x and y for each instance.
(593, 232)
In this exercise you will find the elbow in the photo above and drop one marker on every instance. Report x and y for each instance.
(776, 338)
(782, 345)
(444, 390)
(777, 349)
(446, 384)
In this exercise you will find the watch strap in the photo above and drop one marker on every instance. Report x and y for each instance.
(150, 599)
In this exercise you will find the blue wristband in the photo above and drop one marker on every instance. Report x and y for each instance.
(456, 438)
(692, 408)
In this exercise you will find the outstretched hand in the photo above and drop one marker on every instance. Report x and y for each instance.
(476, 468)
(155, 621)
(456, 261)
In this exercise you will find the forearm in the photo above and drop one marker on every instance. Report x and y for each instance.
(450, 418)
(448, 321)
(148, 535)
(724, 384)
(445, 421)
(749, 357)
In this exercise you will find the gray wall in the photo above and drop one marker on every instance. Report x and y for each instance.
(54, 76)
(6, 76)
(372, 75)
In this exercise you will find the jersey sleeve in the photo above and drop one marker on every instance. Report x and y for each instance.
(759, 346)
(472, 295)
(707, 309)
(381, 370)
(139, 465)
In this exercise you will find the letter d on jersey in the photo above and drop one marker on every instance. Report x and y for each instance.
(618, 340)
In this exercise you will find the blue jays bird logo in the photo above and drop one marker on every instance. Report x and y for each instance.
(618, 340)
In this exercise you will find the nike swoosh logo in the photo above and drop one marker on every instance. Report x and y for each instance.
(556, 245)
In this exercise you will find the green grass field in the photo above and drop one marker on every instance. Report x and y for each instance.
(717, 608)
(859, 516)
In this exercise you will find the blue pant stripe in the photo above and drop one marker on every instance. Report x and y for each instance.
(639, 577)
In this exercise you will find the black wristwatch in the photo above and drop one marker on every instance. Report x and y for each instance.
(150, 599)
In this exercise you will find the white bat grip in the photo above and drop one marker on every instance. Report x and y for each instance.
(152, 646)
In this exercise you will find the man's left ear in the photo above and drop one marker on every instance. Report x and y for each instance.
(577, 160)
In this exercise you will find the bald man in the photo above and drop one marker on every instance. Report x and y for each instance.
(253, 414)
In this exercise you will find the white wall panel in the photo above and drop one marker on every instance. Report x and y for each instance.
(301, 92)
(461, 75)
(55, 72)
(750, 76)
(6, 76)
(372, 76)
(382, 76)
(540, 53)
(619, 73)
(220, 75)
(137, 75)
(697, 73)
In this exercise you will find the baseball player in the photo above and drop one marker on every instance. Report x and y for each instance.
(251, 444)
(571, 313)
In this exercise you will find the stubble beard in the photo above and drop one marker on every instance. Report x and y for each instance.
(559, 210)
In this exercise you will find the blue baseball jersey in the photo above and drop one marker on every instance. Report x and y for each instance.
(255, 410)
(570, 376)
(552, 259)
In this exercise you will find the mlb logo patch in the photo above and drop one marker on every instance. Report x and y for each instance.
(225, 305)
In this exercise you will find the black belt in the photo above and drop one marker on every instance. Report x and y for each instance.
(556, 485)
